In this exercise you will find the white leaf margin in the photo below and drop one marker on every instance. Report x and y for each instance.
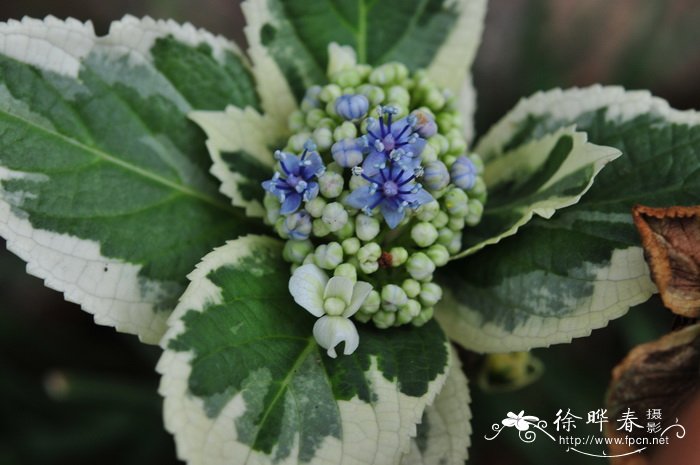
(110, 289)
(449, 420)
(373, 434)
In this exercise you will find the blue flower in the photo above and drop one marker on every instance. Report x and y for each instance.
(393, 190)
(464, 173)
(391, 141)
(294, 183)
(351, 106)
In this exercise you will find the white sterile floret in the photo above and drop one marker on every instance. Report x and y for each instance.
(334, 300)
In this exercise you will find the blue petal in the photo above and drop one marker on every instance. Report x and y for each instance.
(311, 191)
(270, 186)
(369, 167)
(315, 165)
(393, 215)
(289, 163)
(398, 126)
(419, 198)
(291, 203)
(363, 197)
(417, 147)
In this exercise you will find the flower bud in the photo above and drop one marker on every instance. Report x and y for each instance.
(393, 297)
(434, 99)
(366, 227)
(399, 255)
(372, 303)
(439, 254)
(368, 257)
(384, 320)
(463, 173)
(362, 317)
(314, 117)
(425, 123)
(408, 312)
(330, 184)
(272, 208)
(328, 256)
(374, 94)
(346, 270)
(455, 244)
(297, 226)
(476, 209)
(423, 317)
(320, 229)
(424, 234)
(429, 154)
(448, 121)
(334, 215)
(346, 231)
(389, 73)
(357, 182)
(330, 93)
(457, 224)
(439, 143)
(420, 266)
(296, 121)
(315, 207)
(411, 287)
(478, 162)
(445, 236)
(347, 130)
(441, 220)
(297, 251)
(428, 211)
(398, 95)
(334, 306)
(310, 100)
(351, 107)
(351, 245)
(323, 138)
(436, 176)
(430, 294)
(347, 152)
(479, 189)
(456, 202)
(350, 77)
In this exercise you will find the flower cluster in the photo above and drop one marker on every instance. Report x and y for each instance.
(380, 192)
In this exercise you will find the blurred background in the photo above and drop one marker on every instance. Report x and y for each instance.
(75, 393)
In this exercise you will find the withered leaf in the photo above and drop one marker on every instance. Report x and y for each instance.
(671, 241)
(663, 374)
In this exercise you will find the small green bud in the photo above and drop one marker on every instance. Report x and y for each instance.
(411, 287)
(430, 294)
(372, 303)
(319, 228)
(366, 227)
(297, 141)
(346, 231)
(346, 130)
(272, 208)
(334, 215)
(439, 254)
(315, 207)
(362, 317)
(455, 244)
(440, 144)
(334, 306)
(393, 297)
(357, 182)
(328, 256)
(313, 117)
(423, 317)
(309, 260)
(456, 202)
(420, 266)
(323, 138)
(456, 224)
(476, 209)
(445, 236)
(457, 143)
(424, 234)
(297, 251)
(408, 312)
(330, 92)
(296, 121)
(429, 154)
(347, 270)
(347, 78)
(351, 245)
(330, 184)
(389, 73)
(428, 211)
(383, 320)
(399, 95)
(374, 94)
(434, 99)
(327, 123)
(399, 255)
(445, 121)
(478, 162)
(368, 257)
(441, 220)
(479, 189)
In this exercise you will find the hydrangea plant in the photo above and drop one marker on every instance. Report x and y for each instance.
(305, 228)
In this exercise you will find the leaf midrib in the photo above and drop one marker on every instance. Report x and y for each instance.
(105, 157)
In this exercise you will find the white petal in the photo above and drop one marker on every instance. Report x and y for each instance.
(340, 287)
(359, 294)
(509, 422)
(330, 331)
(306, 286)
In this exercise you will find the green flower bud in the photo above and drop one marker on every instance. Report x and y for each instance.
(296, 142)
(327, 123)
(351, 245)
(428, 211)
(356, 182)
(445, 236)
(372, 303)
(350, 77)
(399, 255)
(449, 159)
(441, 220)
(347, 270)
(374, 94)
(296, 121)
(328, 256)
(479, 189)
(330, 184)
(389, 73)
(411, 287)
(383, 320)
(424, 234)
(309, 260)
(457, 143)
(446, 121)
(362, 317)
(456, 202)
(440, 144)
(272, 208)
(346, 130)
(366, 227)
(430, 294)
(334, 306)
(346, 231)
(434, 99)
(408, 312)
(315, 207)
(323, 138)
(429, 154)
(368, 257)
(334, 215)
(420, 266)
(313, 117)
(399, 95)
(439, 254)
(456, 224)
(423, 317)
(330, 92)
(478, 162)
(393, 297)
(319, 228)
(297, 251)
(455, 244)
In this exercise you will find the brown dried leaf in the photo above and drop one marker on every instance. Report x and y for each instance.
(671, 241)
(662, 374)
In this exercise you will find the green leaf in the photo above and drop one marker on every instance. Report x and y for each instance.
(289, 40)
(104, 184)
(244, 380)
(536, 178)
(560, 278)
(444, 433)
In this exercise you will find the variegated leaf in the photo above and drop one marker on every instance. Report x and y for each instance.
(245, 382)
(561, 278)
(104, 181)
